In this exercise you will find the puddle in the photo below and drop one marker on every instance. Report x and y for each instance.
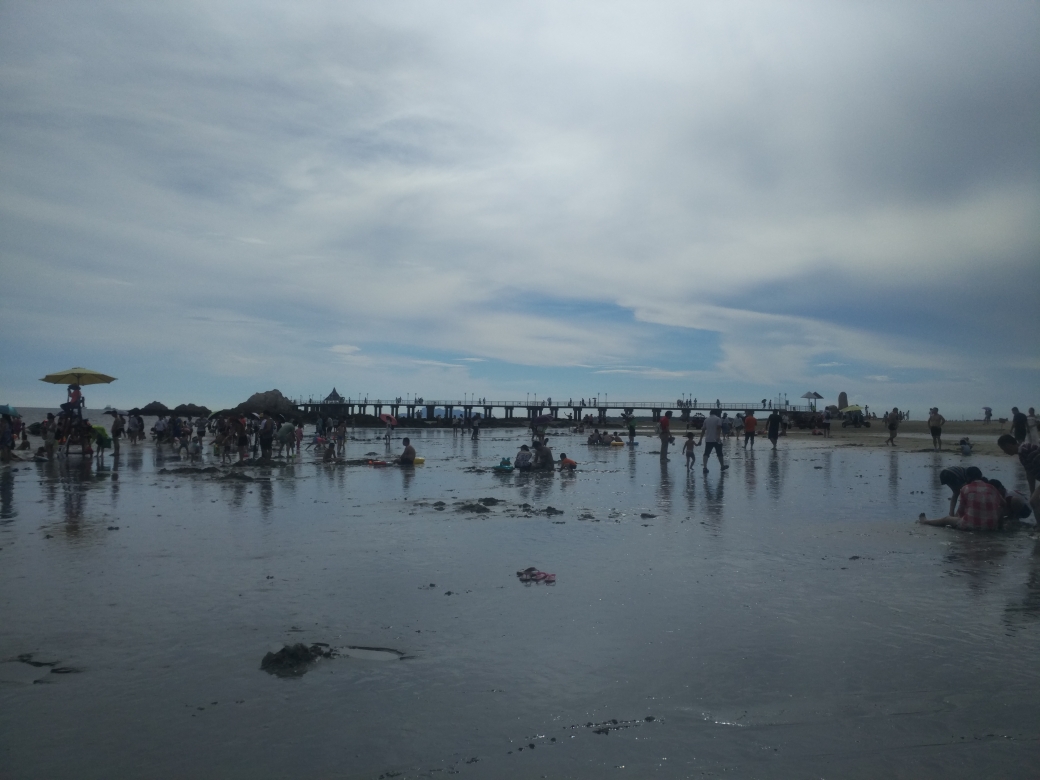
(373, 653)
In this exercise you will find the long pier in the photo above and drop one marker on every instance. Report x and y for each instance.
(532, 409)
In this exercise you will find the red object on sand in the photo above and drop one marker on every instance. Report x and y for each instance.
(388, 418)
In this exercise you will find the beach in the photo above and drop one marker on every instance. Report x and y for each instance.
(786, 618)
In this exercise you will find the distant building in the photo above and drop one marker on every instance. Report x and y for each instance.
(334, 397)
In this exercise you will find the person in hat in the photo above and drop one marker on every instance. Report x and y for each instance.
(935, 423)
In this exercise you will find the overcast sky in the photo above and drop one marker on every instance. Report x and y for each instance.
(721, 199)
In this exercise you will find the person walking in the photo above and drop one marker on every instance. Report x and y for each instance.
(750, 423)
(893, 426)
(711, 435)
(118, 426)
(773, 427)
(1019, 425)
(935, 423)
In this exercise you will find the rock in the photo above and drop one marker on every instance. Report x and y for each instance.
(489, 501)
(295, 660)
(646, 515)
(272, 402)
(551, 510)
(191, 410)
(154, 409)
(476, 508)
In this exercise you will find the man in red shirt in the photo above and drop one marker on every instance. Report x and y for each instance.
(666, 433)
(750, 424)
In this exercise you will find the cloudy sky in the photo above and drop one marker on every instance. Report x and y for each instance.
(642, 199)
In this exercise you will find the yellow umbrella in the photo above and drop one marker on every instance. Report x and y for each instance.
(78, 376)
(851, 409)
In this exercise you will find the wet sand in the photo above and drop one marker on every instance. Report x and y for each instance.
(785, 619)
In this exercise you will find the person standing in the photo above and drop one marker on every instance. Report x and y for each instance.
(666, 433)
(826, 424)
(935, 423)
(893, 426)
(773, 426)
(1029, 456)
(711, 435)
(118, 426)
(1019, 425)
(750, 423)
(1031, 425)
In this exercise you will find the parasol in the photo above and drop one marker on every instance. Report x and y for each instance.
(848, 409)
(389, 419)
(78, 376)
(9, 410)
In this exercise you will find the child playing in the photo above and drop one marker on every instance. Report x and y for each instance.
(688, 450)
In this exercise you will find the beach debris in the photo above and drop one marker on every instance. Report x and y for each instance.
(362, 653)
(647, 515)
(551, 510)
(531, 574)
(295, 660)
(489, 501)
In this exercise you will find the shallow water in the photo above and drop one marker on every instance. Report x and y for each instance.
(784, 619)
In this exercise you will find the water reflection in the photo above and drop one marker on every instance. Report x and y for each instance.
(266, 490)
(714, 488)
(7, 510)
(893, 478)
(1028, 608)
(775, 483)
(976, 556)
(664, 489)
(750, 475)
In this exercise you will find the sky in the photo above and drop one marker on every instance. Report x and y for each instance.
(639, 200)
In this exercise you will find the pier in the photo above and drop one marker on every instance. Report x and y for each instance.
(337, 406)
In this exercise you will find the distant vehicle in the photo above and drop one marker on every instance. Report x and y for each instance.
(855, 420)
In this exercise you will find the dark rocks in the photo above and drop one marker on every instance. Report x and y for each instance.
(295, 660)
(551, 510)
(475, 508)
(272, 402)
(490, 501)
(646, 515)
(154, 409)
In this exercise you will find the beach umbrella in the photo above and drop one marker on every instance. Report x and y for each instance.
(78, 376)
(389, 419)
(810, 395)
(851, 409)
(9, 410)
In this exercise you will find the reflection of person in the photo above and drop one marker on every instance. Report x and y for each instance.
(408, 456)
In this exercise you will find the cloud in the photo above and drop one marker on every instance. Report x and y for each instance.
(730, 195)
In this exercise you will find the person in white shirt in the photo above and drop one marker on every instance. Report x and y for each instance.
(711, 435)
